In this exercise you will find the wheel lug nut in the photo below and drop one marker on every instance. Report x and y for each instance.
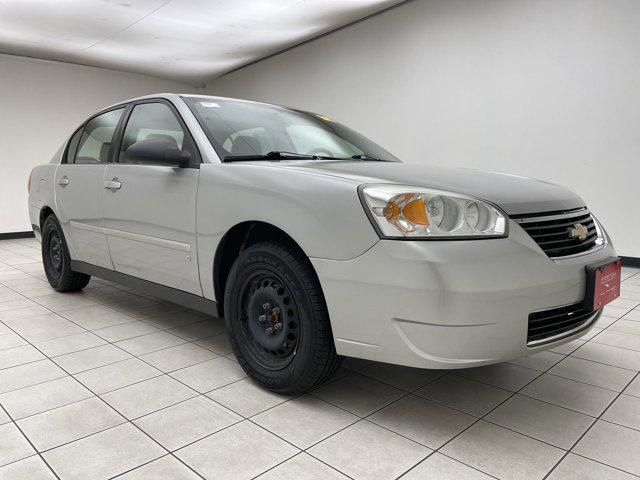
(262, 318)
(269, 330)
(277, 326)
(266, 305)
(276, 310)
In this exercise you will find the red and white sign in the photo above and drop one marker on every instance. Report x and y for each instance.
(607, 284)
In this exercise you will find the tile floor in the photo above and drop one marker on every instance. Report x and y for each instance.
(109, 383)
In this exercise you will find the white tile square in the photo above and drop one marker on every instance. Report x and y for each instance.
(233, 444)
(358, 394)
(574, 467)
(246, 398)
(180, 356)
(302, 467)
(14, 446)
(91, 358)
(29, 374)
(187, 421)
(104, 455)
(593, 373)
(624, 411)
(31, 468)
(124, 331)
(422, 421)
(541, 361)
(167, 467)
(148, 396)
(305, 420)
(578, 396)
(503, 453)
(504, 375)
(70, 344)
(368, 452)
(463, 394)
(12, 357)
(149, 343)
(543, 421)
(65, 424)
(405, 378)
(211, 374)
(440, 467)
(43, 396)
(612, 445)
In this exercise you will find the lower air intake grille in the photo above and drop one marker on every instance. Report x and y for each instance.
(556, 323)
(561, 234)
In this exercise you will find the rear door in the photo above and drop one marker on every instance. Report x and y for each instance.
(150, 209)
(78, 185)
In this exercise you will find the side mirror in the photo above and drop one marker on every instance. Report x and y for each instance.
(158, 151)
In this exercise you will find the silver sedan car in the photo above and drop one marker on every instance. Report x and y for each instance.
(315, 243)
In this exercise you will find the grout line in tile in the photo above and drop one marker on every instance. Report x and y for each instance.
(598, 418)
(30, 443)
(109, 406)
(135, 356)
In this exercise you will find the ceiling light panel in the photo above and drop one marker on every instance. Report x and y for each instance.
(193, 41)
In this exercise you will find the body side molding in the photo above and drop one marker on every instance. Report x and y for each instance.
(185, 299)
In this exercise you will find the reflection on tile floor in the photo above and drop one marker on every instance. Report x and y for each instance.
(110, 383)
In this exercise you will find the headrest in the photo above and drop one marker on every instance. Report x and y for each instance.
(246, 145)
(104, 152)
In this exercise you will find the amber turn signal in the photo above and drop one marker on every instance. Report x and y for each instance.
(413, 210)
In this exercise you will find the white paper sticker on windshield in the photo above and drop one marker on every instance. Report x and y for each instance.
(209, 104)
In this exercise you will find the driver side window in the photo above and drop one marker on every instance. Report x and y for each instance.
(153, 121)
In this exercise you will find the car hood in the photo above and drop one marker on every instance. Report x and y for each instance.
(513, 193)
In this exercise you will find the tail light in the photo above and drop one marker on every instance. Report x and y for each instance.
(29, 181)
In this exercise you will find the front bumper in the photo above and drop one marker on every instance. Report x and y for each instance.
(449, 304)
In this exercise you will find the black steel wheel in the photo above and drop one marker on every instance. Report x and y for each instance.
(55, 253)
(277, 319)
(269, 320)
(56, 259)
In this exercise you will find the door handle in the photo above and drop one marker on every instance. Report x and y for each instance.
(113, 185)
(64, 181)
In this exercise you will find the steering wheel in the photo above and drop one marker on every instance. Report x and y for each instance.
(323, 152)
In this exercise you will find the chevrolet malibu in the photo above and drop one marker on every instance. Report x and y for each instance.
(315, 243)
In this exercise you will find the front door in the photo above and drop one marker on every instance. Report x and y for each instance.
(150, 209)
(78, 189)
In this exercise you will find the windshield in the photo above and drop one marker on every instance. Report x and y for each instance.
(238, 128)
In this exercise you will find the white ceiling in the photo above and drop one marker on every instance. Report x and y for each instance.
(193, 41)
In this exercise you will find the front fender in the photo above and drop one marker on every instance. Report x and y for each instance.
(323, 214)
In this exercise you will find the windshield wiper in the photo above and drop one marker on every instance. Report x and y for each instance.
(280, 155)
(367, 157)
(273, 155)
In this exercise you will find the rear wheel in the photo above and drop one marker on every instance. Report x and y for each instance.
(277, 319)
(56, 259)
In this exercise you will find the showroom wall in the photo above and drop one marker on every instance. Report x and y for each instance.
(471, 84)
(42, 102)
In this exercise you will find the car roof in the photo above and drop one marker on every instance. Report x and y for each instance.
(175, 96)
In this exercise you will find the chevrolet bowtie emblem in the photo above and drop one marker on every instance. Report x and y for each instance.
(578, 231)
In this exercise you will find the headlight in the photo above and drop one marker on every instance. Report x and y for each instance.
(403, 211)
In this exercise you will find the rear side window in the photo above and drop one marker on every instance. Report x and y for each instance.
(73, 146)
(153, 120)
(95, 142)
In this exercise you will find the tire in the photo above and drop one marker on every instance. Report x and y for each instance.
(269, 284)
(56, 259)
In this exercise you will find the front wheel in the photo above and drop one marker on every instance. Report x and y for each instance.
(56, 259)
(277, 319)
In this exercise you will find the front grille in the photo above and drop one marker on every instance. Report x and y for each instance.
(556, 323)
(552, 231)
